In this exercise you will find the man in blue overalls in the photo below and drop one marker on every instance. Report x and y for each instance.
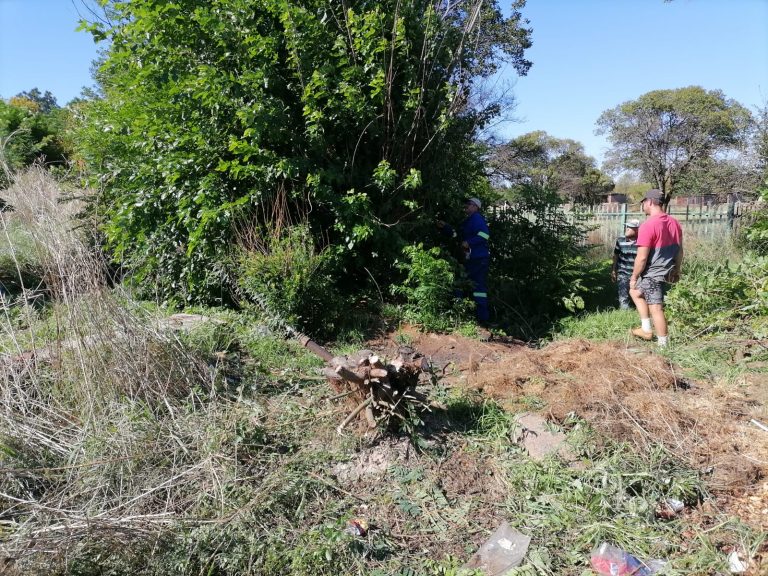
(474, 243)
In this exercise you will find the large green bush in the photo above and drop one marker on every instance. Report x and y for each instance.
(539, 265)
(358, 116)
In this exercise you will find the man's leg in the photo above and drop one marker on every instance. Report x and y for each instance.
(477, 270)
(659, 320)
(645, 331)
(622, 283)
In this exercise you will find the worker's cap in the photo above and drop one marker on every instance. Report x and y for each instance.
(474, 201)
(632, 224)
(653, 194)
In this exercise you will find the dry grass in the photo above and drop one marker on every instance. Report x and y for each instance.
(103, 413)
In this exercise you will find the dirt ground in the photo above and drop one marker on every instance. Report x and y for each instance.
(628, 393)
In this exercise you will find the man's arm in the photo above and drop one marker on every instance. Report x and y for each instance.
(640, 261)
(614, 266)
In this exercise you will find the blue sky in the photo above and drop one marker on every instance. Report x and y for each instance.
(592, 55)
(588, 56)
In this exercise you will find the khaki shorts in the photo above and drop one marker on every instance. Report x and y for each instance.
(652, 290)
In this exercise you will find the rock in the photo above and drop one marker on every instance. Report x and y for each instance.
(538, 441)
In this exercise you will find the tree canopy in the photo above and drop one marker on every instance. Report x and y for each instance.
(32, 128)
(668, 135)
(557, 164)
(356, 117)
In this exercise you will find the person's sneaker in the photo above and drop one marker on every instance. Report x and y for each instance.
(640, 333)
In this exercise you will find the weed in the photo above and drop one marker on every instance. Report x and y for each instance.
(403, 339)
(430, 290)
(294, 280)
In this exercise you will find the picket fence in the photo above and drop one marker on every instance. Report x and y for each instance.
(606, 222)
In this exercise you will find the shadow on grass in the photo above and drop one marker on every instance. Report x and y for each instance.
(530, 313)
(468, 415)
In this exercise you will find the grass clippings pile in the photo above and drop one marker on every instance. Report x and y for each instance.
(638, 396)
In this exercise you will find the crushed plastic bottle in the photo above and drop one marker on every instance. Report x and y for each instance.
(608, 560)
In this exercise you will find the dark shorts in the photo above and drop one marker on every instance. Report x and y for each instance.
(652, 290)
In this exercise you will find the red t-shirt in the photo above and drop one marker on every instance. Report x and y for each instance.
(664, 237)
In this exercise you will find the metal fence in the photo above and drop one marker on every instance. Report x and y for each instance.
(703, 221)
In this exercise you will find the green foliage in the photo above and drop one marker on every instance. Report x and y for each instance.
(717, 296)
(666, 135)
(32, 127)
(430, 289)
(753, 235)
(540, 269)
(557, 164)
(353, 116)
(296, 283)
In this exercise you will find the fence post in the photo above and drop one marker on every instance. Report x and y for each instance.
(623, 216)
(730, 213)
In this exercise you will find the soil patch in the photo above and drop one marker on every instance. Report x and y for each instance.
(630, 394)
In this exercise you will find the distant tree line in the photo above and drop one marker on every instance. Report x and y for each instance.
(32, 127)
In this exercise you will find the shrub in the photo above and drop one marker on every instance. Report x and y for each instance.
(293, 281)
(430, 289)
(754, 235)
(539, 265)
(717, 296)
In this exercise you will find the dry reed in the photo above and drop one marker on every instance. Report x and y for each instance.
(103, 413)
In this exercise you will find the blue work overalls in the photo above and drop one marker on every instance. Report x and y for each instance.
(474, 231)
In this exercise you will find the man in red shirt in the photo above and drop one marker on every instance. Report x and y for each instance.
(658, 261)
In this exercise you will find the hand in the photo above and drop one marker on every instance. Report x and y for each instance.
(465, 246)
(440, 224)
(613, 275)
(673, 276)
(632, 282)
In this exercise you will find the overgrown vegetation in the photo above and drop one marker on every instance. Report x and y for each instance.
(33, 128)
(294, 281)
(432, 289)
(288, 160)
(359, 118)
(540, 268)
(131, 448)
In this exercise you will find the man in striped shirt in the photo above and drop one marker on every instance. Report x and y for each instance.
(624, 260)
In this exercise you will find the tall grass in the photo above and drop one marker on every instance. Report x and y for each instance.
(94, 403)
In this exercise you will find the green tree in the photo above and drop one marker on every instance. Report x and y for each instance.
(631, 186)
(354, 116)
(760, 142)
(557, 164)
(666, 135)
(32, 128)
